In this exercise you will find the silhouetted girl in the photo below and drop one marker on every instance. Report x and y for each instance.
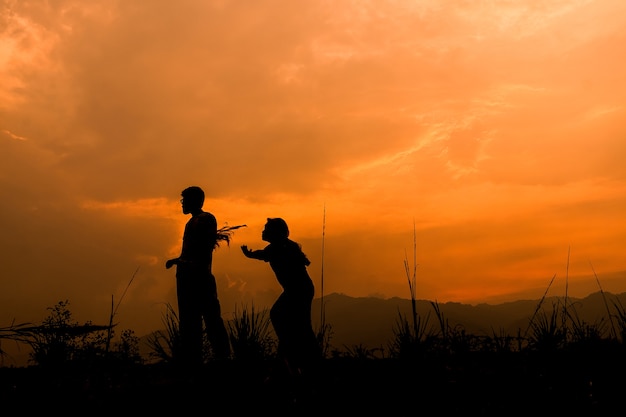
(291, 313)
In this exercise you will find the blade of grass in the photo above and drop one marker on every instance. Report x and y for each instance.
(539, 306)
(606, 304)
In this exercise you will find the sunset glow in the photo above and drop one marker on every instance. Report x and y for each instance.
(484, 141)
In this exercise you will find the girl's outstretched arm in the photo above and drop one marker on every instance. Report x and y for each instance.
(254, 254)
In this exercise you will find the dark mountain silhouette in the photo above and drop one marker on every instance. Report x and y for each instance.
(369, 322)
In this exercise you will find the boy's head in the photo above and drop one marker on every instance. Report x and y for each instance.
(193, 198)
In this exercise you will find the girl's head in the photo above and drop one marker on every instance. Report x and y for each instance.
(275, 229)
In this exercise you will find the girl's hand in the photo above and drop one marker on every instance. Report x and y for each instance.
(171, 262)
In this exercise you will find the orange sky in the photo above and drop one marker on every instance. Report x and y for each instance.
(495, 128)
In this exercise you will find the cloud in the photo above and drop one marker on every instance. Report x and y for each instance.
(494, 126)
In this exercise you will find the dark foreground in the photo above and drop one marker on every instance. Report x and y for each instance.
(488, 385)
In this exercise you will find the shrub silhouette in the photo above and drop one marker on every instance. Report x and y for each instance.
(60, 340)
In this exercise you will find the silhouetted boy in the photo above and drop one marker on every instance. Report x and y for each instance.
(195, 283)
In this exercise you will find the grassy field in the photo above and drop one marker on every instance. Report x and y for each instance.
(583, 383)
(558, 365)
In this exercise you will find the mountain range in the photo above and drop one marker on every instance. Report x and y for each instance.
(369, 322)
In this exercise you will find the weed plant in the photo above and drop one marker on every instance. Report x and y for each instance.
(251, 335)
(165, 344)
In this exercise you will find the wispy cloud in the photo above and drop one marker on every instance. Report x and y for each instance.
(13, 136)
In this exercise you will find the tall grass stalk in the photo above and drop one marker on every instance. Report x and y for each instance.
(565, 315)
(606, 304)
(412, 281)
(114, 310)
(322, 310)
(324, 333)
(409, 338)
(444, 324)
(538, 307)
(621, 320)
